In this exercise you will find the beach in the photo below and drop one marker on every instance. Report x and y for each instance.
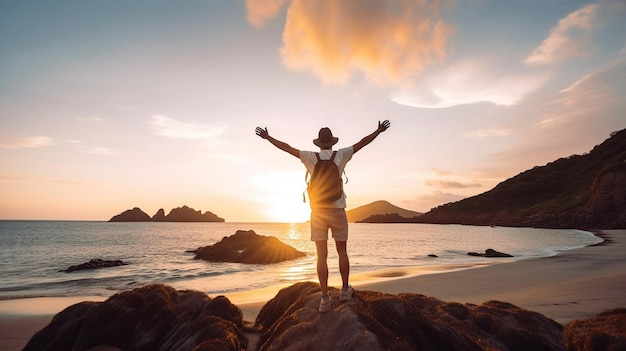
(572, 285)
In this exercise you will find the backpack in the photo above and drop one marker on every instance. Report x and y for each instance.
(326, 185)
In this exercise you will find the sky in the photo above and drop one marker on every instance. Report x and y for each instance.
(110, 105)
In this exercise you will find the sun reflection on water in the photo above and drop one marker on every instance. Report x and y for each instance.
(303, 269)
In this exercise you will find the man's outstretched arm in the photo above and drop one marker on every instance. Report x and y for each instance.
(279, 144)
(368, 139)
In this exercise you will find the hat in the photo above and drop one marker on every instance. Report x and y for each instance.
(325, 139)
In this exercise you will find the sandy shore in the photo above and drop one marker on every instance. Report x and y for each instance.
(573, 285)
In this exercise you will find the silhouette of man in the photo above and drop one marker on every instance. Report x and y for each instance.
(329, 216)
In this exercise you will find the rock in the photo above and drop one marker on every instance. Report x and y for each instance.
(187, 214)
(377, 321)
(606, 331)
(248, 247)
(134, 215)
(489, 253)
(155, 317)
(159, 216)
(158, 317)
(432, 255)
(94, 264)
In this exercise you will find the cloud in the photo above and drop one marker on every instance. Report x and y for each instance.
(171, 128)
(260, 11)
(468, 82)
(449, 184)
(590, 102)
(30, 142)
(386, 41)
(440, 172)
(566, 122)
(436, 198)
(568, 39)
(99, 150)
(484, 133)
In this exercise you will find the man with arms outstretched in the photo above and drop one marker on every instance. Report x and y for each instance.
(328, 214)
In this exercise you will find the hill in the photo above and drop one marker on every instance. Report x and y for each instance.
(378, 208)
(581, 191)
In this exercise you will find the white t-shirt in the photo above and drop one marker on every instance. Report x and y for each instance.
(342, 157)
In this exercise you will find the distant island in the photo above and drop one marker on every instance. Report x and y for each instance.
(179, 214)
(379, 212)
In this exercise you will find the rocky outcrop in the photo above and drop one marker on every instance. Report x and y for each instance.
(158, 317)
(607, 199)
(377, 321)
(134, 215)
(179, 214)
(489, 253)
(159, 216)
(187, 214)
(155, 317)
(606, 331)
(248, 247)
(94, 264)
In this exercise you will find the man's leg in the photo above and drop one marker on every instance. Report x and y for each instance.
(344, 263)
(322, 265)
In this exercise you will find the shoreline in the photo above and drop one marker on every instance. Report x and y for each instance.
(574, 284)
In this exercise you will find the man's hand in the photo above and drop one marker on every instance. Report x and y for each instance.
(383, 126)
(262, 132)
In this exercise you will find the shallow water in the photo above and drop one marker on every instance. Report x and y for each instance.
(33, 252)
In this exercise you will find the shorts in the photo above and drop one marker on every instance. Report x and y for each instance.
(334, 219)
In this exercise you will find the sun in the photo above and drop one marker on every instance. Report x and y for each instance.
(281, 196)
(289, 212)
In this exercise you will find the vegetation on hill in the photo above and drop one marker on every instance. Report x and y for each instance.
(388, 218)
(580, 191)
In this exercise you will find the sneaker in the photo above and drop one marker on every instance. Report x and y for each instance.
(346, 294)
(325, 305)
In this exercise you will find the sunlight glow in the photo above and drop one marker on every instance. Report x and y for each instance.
(283, 192)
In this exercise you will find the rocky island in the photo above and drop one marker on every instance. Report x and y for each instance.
(179, 214)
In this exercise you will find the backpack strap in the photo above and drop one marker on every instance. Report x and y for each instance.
(332, 158)
(307, 178)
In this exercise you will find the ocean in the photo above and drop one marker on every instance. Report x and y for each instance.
(32, 253)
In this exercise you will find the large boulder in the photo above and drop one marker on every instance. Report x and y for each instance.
(248, 247)
(155, 317)
(377, 321)
(606, 331)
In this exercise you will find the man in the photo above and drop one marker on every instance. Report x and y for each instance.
(328, 214)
